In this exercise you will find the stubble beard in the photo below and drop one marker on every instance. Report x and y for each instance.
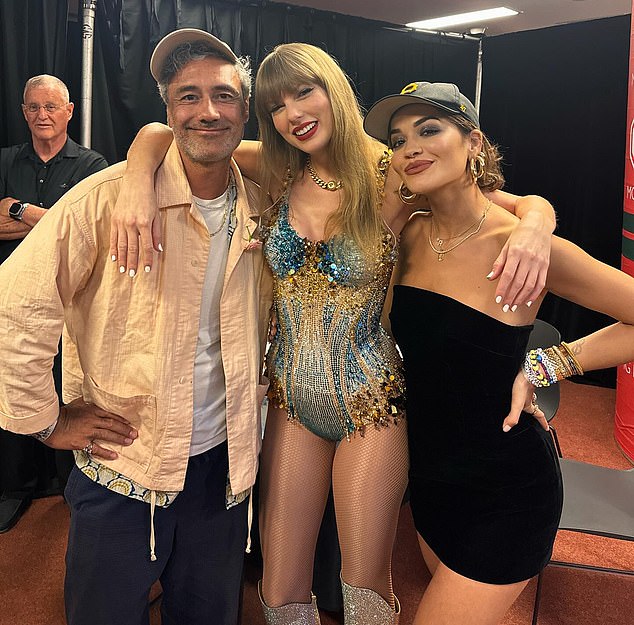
(204, 152)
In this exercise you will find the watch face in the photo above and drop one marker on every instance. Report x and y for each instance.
(16, 209)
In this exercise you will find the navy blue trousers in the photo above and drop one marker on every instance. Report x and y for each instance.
(199, 548)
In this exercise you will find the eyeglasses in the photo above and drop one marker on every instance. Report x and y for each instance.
(35, 108)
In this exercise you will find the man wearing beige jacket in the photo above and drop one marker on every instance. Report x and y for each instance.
(161, 371)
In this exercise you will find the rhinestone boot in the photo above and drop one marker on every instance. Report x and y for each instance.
(362, 606)
(291, 613)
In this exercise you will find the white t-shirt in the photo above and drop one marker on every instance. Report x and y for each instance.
(210, 427)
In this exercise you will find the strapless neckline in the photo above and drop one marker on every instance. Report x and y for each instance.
(457, 303)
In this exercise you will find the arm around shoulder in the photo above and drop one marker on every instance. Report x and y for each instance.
(247, 155)
(135, 226)
(522, 265)
(522, 206)
(149, 148)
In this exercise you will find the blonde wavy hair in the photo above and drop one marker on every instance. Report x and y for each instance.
(353, 154)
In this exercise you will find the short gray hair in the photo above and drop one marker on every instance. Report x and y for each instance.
(196, 51)
(46, 80)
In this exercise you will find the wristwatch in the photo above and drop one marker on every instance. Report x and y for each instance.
(16, 210)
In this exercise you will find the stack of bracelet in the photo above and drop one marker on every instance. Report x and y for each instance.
(544, 367)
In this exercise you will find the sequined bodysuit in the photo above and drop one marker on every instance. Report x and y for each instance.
(331, 364)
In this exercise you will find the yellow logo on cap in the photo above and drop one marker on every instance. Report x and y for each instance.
(463, 108)
(409, 88)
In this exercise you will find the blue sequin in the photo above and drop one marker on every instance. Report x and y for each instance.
(332, 366)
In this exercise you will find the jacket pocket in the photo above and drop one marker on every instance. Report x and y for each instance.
(138, 410)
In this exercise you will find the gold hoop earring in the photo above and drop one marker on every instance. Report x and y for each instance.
(407, 197)
(477, 166)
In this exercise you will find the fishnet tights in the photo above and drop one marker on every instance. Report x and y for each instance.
(369, 476)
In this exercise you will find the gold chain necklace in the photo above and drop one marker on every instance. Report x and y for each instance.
(331, 185)
(478, 224)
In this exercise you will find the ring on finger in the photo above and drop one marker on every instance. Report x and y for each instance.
(88, 448)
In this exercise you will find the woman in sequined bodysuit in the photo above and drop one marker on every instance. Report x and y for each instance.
(330, 239)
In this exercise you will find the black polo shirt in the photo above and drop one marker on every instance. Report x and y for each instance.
(24, 176)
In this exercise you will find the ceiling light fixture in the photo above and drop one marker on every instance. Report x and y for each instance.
(440, 23)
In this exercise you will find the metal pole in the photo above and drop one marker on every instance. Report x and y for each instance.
(87, 32)
(478, 85)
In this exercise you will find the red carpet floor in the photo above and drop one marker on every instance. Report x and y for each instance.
(32, 553)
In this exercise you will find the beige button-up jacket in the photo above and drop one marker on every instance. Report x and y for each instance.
(129, 344)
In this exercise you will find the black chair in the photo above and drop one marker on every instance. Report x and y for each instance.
(546, 335)
(598, 501)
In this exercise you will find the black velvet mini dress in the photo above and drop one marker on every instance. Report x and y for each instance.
(487, 502)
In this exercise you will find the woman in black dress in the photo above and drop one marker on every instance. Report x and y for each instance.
(486, 489)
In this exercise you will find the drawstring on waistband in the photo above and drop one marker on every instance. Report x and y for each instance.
(249, 521)
(152, 537)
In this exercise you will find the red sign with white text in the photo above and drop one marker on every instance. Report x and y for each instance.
(624, 417)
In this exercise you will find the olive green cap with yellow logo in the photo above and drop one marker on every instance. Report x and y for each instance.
(443, 95)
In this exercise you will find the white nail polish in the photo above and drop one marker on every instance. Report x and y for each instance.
(498, 299)
(506, 428)
(505, 308)
(489, 275)
(529, 303)
(113, 258)
(122, 269)
(147, 268)
(132, 273)
(160, 247)
(514, 308)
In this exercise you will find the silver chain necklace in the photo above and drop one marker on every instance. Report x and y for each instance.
(229, 204)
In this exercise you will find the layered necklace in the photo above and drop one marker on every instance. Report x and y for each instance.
(331, 185)
(230, 205)
(471, 231)
(224, 215)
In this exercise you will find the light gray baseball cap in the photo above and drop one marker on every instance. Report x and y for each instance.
(185, 35)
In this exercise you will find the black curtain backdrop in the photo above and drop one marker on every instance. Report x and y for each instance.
(33, 39)
(379, 59)
(556, 101)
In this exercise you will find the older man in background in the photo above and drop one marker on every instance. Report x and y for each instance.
(33, 176)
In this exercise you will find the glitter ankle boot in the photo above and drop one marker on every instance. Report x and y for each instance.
(291, 613)
(362, 606)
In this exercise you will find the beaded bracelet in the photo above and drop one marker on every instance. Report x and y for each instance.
(544, 367)
(44, 434)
